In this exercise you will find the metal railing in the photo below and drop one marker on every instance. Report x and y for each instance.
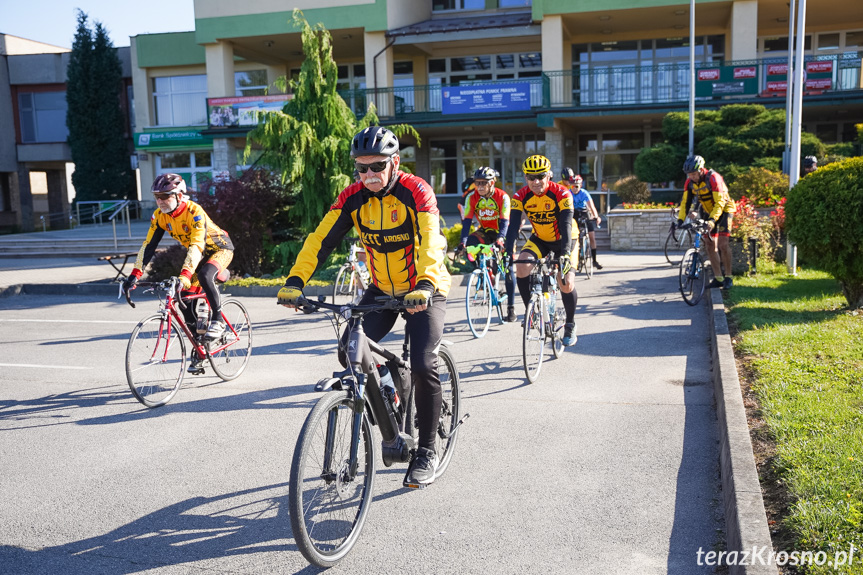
(53, 217)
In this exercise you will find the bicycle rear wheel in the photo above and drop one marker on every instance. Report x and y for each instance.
(231, 361)
(328, 501)
(692, 277)
(588, 259)
(478, 303)
(676, 244)
(559, 314)
(155, 361)
(533, 342)
(345, 286)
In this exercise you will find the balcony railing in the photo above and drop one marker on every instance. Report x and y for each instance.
(612, 86)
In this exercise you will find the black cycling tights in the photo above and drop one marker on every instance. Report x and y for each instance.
(426, 330)
(207, 278)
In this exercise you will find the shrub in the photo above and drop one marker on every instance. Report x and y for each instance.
(453, 236)
(824, 217)
(244, 207)
(631, 190)
(762, 187)
(740, 114)
(661, 163)
(167, 263)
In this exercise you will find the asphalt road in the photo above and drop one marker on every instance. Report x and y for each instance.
(608, 465)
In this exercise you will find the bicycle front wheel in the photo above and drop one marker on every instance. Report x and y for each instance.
(450, 411)
(328, 497)
(533, 342)
(229, 355)
(588, 260)
(558, 312)
(345, 287)
(155, 361)
(478, 303)
(676, 244)
(692, 277)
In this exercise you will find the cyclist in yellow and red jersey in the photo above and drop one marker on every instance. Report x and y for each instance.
(549, 208)
(210, 250)
(490, 206)
(717, 208)
(397, 218)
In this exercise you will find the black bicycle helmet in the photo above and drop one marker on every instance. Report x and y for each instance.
(169, 183)
(810, 161)
(484, 173)
(567, 175)
(375, 141)
(693, 164)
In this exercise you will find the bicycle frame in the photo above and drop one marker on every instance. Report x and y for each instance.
(487, 252)
(543, 284)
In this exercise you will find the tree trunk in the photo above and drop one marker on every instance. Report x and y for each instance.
(853, 292)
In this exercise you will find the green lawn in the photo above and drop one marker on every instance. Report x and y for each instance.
(806, 352)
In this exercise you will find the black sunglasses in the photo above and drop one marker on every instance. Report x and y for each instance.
(533, 178)
(376, 167)
(163, 195)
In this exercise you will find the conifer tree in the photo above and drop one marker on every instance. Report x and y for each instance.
(95, 119)
(308, 142)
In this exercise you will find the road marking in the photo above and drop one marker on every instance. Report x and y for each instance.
(43, 366)
(70, 321)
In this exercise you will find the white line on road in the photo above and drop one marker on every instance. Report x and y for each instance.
(70, 321)
(43, 366)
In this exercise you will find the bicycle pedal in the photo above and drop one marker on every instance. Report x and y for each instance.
(413, 485)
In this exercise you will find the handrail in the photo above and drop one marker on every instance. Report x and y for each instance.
(120, 206)
(51, 216)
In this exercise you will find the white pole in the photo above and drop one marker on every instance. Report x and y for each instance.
(787, 159)
(794, 163)
(691, 77)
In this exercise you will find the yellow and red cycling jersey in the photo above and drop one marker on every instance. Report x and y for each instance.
(190, 225)
(488, 211)
(712, 192)
(399, 231)
(545, 212)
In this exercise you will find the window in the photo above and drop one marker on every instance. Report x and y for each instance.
(514, 3)
(180, 100)
(251, 83)
(440, 5)
(43, 117)
(192, 166)
(351, 85)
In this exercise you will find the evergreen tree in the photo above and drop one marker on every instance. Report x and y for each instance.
(95, 119)
(308, 142)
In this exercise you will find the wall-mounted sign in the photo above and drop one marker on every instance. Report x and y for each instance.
(727, 81)
(172, 138)
(239, 111)
(486, 98)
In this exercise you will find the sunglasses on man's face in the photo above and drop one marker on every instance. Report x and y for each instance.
(376, 167)
(535, 178)
(164, 196)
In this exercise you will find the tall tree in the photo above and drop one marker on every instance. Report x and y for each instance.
(308, 142)
(95, 119)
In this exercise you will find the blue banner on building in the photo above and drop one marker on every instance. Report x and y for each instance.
(486, 98)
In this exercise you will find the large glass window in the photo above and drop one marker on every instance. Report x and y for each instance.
(250, 83)
(441, 5)
(180, 100)
(351, 85)
(465, 70)
(42, 116)
(192, 166)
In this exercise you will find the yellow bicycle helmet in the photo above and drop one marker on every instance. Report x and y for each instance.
(536, 165)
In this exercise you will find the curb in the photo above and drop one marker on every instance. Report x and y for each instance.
(746, 527)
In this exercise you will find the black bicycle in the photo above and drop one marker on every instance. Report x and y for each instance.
(679, 240)
(544, 318)
(585, 259)
(333, 470)
(693, 275)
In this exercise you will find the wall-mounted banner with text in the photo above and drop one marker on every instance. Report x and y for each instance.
(239, 111)
(486, 98)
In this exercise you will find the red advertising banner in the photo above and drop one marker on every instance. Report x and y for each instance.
(242, 110)
(745, 72)
(777, 69)
(819, 84)
(777, 86)
(820, 66)
(710, 74)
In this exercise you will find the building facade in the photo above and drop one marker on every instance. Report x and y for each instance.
(489, 82)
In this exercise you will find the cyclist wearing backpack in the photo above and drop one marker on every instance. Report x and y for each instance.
(717, 208)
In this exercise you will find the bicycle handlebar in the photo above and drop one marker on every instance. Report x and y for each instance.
(171, 285)
(382, 303)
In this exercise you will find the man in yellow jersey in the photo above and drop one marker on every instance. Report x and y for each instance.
(717, 207)
(398, 222)
(209, 251)
(549, 208)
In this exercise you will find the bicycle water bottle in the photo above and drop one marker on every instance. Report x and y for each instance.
(391, 396)
(202, 312)
(364, 272)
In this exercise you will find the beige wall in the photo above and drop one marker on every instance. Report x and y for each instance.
(219, 8)
(744, 30)
(13, 46)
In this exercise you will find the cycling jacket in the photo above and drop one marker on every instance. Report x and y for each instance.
(400, 233)
(491, 212)
(550, 215)
(712, 192)
(190, 225)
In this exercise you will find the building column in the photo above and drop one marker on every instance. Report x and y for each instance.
(220, 69)
(224, 159)
(58, 199)
(744, 30)
(379, 71)
(554, 149)
(22, 201)
(273, 74)
(557, 57)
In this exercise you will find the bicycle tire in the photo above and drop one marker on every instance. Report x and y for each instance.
(230, 362)
(154, 369)
(676, 244)
(533, 341)
(327, 508)
(692, 277)
(478, 303)
(588, 261)
(345, 286)
(557, 325)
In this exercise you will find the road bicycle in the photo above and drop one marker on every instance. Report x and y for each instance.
(693, 275)
(156, 353)
(483, 288)
(352, 278)
(679, 240)
(585, 258)
(544, 318)
(333, 469)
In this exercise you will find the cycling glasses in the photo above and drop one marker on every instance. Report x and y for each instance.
(376, 167)
(163, 195)
(535, 177)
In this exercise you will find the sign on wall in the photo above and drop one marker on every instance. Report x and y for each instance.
(239, 111)
(726, 81)
(486, 98)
